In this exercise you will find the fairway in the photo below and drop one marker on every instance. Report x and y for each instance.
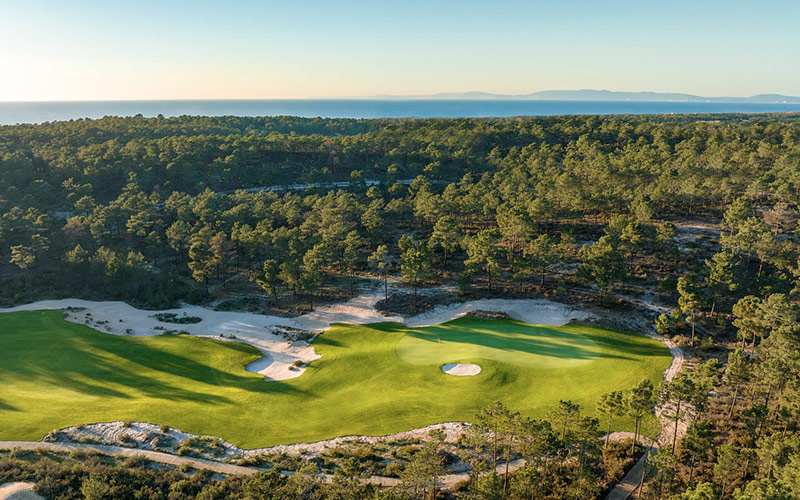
(372, 379)
(505, 341)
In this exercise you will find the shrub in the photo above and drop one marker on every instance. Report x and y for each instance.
(174, 318)
(393, 469)
(136, 461)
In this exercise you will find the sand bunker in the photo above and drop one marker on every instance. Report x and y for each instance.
(461, 369)
(531, 311)
(262, 332)
(266, 332)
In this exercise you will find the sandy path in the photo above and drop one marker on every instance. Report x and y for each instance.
(197, 463)
(678, 357)
(25, 489)
(630, 482)
(164, 458)
(447, 480)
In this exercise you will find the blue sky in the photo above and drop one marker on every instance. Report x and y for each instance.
(51, 50)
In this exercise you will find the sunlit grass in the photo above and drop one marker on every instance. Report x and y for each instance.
(374, 379)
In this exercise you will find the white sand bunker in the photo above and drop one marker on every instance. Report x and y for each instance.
(264, 332)
(531, 311)
(461, 369)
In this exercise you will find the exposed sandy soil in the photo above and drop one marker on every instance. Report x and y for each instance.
(144, 436)
(461, 369)
(262, 332)
(273, 336)
(18, 491)
(531, 311)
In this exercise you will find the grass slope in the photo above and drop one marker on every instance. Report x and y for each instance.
(374, 380)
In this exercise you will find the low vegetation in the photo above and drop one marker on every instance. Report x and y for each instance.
(174, 318)
(562, 453)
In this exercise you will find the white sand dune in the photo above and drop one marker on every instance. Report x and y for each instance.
(264, 332)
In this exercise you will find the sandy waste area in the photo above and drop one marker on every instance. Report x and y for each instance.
(269, 334)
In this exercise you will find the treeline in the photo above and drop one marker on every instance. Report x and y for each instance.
(743, 435)
(127, 203)
(590, 162)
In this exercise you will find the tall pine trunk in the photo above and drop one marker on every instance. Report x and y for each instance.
(675, 432)
(733, 403)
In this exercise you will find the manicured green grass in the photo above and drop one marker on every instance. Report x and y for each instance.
(505, 341)
(375, 379)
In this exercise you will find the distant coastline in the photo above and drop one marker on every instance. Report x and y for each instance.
(602, 95)
(38, 112)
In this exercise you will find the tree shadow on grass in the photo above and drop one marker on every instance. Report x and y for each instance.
(323, 340)
(538, 340)
(7, 407)
(98, 364)
(540, 345)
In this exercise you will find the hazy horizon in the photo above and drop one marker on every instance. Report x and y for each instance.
(245, 50)
(390, 96)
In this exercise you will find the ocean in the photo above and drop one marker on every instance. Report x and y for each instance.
(38, 112)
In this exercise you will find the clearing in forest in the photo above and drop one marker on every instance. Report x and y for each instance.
(371, 380)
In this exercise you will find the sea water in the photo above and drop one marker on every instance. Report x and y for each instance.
(38, 112)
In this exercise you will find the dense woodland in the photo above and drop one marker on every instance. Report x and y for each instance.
(598, 209)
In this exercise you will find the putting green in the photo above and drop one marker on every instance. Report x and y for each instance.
(508, 342)
(372, 379)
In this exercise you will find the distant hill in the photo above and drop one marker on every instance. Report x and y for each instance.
(602, 95)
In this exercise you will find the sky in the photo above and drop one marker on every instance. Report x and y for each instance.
(236, 49)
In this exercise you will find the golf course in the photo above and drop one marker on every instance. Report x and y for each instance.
(371, 379)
